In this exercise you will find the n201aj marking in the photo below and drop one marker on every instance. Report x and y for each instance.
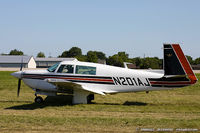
(131, 81)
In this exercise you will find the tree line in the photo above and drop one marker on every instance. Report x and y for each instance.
(115, 60)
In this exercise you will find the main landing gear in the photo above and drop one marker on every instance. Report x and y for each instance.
(38, 99)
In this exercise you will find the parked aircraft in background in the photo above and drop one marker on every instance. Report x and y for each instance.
(86, 79)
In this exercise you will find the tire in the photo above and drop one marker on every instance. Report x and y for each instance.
(38, 99)
(90, 98)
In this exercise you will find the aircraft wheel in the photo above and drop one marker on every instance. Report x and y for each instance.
(38, 99)
(90, 98)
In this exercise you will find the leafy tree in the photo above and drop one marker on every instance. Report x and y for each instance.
(160, 63)
(197, 61)
(73, 52)
(92, 57)
(64, 54)
(123, 55)
(115, 60)
(3, 54)
(137, 61)
(16, 52)
(100, 55)
(118, 59)
(190, 59)
(81, 58)
(144, 63)
(149, 62)
(41, 55)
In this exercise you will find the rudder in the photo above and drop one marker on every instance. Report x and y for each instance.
(176, 64)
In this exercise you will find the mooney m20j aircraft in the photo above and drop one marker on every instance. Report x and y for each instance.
(87, 79)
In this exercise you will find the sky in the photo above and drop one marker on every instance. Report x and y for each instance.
(138, 27)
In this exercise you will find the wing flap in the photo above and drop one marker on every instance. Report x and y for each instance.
(61, 83)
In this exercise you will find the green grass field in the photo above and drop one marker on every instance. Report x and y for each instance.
(179, 108)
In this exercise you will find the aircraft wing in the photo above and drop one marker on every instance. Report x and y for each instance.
(61, 83)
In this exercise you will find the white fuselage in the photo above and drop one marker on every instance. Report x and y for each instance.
(108, 79)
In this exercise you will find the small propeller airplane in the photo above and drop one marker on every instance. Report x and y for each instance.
(86, 79)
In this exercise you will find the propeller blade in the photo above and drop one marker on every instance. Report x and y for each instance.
(19, 85)
(19, 81)
(21, 64)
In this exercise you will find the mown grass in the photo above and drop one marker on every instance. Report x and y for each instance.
(178, 108)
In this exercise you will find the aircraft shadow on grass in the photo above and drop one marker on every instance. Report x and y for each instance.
(62, 101)
(127, 103)
(49, 101)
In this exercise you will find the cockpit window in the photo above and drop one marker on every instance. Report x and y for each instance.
(66, 69)
(85, 70)
(53, 68)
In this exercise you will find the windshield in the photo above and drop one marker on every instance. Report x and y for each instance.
(53, 68)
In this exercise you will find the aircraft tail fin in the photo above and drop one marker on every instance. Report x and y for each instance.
(176, 64)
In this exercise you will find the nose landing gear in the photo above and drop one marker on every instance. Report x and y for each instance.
(38, 99)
